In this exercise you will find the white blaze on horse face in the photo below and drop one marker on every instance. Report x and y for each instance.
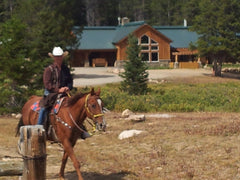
(100, 105)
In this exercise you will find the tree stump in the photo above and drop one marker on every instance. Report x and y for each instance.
(32, 147)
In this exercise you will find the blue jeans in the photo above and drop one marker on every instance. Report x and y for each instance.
(42, 112)
(41, 117)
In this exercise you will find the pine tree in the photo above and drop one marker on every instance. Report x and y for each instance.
(135, 75)
(32, 30)
(14, 67)
(218, 40)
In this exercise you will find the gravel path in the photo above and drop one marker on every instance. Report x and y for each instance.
(90, 76)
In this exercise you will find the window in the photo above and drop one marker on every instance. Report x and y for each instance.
(154, 47)
(145, 56)
(145, 47)
(144, 39)
(149, 49)
(153, 42)
(154, 56)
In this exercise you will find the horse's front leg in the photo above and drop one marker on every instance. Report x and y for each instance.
(63, 165)
(68, 151)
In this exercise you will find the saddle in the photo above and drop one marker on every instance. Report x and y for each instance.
(51, 135)
(56, 107)
(36, 106)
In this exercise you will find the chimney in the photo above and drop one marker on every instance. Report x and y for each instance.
(125, 20)
(185, 23)
(119, 21)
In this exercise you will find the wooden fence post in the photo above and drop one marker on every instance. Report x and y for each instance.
(32, 147)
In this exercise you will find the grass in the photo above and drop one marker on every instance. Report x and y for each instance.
(188, 145)
(182, 96)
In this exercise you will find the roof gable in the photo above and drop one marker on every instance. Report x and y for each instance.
(123, 31)
(148, 28)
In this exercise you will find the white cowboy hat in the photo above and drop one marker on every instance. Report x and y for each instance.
(57, 51)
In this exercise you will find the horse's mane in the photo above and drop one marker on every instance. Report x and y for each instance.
(71, 101)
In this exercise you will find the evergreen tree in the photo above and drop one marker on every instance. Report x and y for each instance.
(190, 13)
(14, 67)
(135, 76)
(32, 31)
(6, 8)
(218, 40)
(133, 9)
(108, 11)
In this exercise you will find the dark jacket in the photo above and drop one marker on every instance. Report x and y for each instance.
(54, 78)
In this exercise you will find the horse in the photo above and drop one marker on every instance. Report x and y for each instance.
(68, 121)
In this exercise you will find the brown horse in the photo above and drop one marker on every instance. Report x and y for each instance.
(68, 122)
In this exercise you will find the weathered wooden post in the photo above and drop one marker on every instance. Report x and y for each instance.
(32, 147)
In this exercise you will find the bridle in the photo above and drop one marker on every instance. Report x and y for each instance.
(88, 110)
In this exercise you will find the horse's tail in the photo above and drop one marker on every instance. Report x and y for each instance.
(20, 123)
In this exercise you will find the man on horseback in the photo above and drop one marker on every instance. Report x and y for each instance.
(57, 80)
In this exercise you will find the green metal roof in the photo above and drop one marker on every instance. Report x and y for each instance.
(104, 37)
(180, 35)
(97, 38)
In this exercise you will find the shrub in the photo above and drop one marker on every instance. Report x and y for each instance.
(170, 97)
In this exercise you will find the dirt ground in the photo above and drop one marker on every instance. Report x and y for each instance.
(101, 75)
(172, 146)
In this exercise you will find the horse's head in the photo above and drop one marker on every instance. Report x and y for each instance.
(94, 108)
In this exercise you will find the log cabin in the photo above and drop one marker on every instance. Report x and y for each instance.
(161, 45)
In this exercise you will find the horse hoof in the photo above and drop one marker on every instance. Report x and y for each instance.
(61, 178)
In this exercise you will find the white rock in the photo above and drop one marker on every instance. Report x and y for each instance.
(13, 114)
(126, 113)
(153, 81)
(133, 117)
(18, 116)
(129, 133)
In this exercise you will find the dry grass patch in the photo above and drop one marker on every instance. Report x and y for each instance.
(185, 146)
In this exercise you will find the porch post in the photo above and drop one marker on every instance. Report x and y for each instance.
(176, 65)
(86, 60)
(199, 61)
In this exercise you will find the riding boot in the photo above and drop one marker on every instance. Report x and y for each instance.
(85, 134)
(41, 116)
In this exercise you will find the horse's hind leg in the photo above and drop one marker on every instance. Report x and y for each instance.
(20, 123)
(68, 151)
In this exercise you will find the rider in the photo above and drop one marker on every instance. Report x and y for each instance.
(57, 79)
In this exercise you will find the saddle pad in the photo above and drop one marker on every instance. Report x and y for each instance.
(57, 106)
(36, 107)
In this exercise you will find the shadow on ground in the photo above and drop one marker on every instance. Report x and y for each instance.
(91, 76)
(231, 75)
(96, 176)
(225, 75)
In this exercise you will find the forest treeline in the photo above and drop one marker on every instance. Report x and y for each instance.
(29, 29)
(106, 12)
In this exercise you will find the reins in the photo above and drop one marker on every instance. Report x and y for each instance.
(74, 122)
